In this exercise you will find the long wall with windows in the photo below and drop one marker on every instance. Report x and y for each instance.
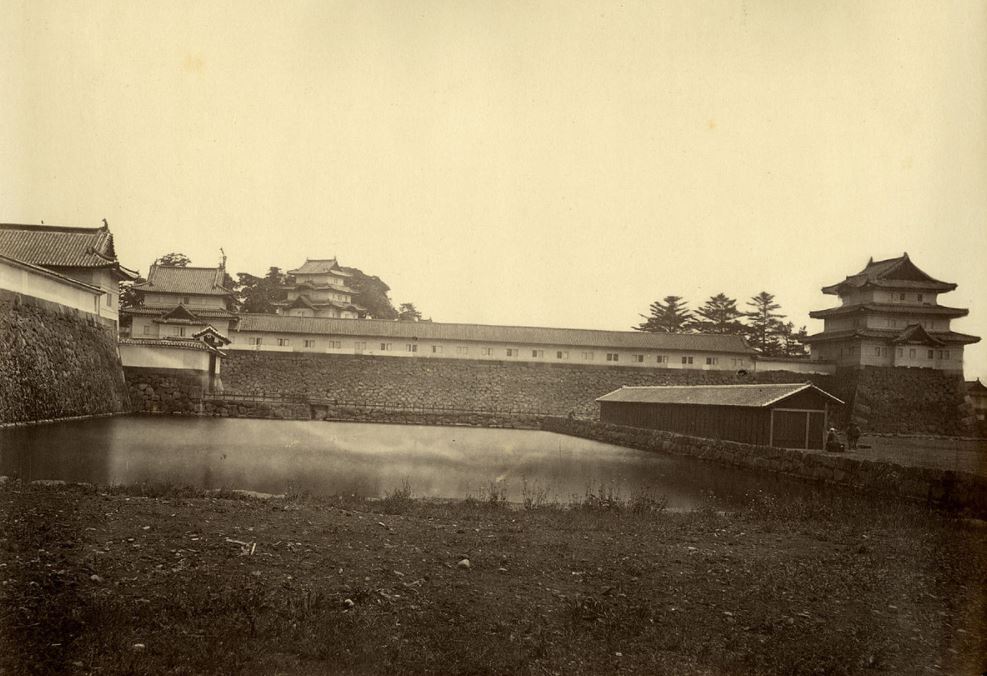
(429, 340)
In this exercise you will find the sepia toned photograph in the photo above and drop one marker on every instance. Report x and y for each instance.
(493, 337)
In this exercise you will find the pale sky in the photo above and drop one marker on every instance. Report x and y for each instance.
(536, 163)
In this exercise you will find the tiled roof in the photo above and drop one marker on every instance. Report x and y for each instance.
(170, 279)
(751, 396)
(155, 311)
(211, 332)
(61, 247)
(304, 301)
(484, 333)
(940, 310)
(178, 343)
(976, 387)
(891, 272)
(952, 337)
(320, 287)
(319, 266)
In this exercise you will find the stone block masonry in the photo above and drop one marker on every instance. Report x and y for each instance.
(508, 387)
(173, 391)
(907, 400)
(56, 362)
(954, 490)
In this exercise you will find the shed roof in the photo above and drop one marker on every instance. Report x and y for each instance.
(171, 279)
(61, 247)
(485, 333)
(749, 396)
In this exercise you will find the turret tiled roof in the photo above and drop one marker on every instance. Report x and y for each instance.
(890, 308)
(61, 247)
(947, 337)
(892, 273)
(319, 266)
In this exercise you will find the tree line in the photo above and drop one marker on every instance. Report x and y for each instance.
(762, 324)
(258, 294)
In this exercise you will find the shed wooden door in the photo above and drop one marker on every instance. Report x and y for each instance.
(798, 429)
(817, 430)
(788, 429)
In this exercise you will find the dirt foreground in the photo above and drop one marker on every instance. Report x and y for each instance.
(150, 580)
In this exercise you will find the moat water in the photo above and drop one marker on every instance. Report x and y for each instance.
(279, 456)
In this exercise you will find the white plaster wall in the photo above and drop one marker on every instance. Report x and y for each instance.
(35, 283)
(163, 357)
(438, 349)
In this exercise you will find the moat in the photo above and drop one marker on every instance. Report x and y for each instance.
(278, 456)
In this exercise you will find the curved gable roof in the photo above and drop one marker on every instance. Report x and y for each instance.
(891, 272)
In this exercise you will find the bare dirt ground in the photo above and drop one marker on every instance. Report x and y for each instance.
(959, 455)
(151, 580)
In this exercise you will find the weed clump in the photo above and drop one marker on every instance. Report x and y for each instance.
(399, 500)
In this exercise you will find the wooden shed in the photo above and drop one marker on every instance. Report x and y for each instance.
(786, 416)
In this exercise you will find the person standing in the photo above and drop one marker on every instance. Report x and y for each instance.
(852, 434)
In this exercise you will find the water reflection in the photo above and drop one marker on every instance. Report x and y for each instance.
(277, 456)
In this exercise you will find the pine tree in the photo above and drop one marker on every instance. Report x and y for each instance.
(672, 316)
(719, 315)
(764, 324)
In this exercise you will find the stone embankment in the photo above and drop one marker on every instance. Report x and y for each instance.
(946, 488)
(531, 388)
(56, 362)
(171, 391)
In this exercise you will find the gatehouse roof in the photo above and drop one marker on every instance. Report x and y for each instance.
(187, 280)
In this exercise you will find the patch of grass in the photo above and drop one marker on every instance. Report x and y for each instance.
(398, 500)
(535, 495)
(493, 495)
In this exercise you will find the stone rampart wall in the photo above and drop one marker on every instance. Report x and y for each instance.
(174, 391)
(955, 490)
(907, 400)
(56, 362)
(555, 389)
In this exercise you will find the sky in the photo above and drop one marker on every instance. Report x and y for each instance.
(531, 163)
